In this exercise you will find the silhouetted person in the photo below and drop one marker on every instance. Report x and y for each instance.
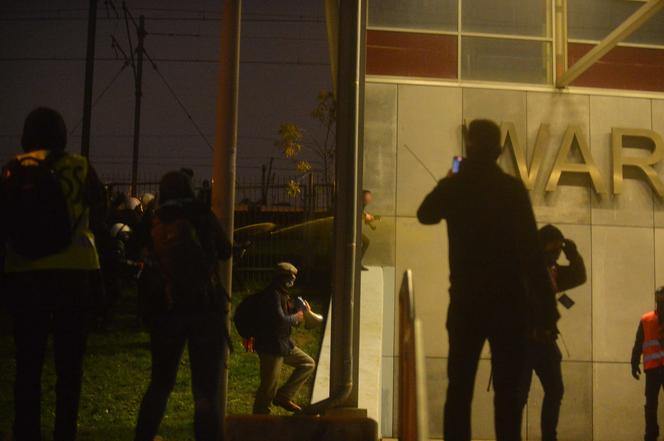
(649, 342)
(52, 267)
(498, 283)
(369, 220)
(275, 347)
(185, 242)
(544, 356)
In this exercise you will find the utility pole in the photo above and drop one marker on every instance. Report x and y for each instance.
(137, 106)
(225, 151)
(89, 77)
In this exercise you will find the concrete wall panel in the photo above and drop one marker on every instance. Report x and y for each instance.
(423, 249)
(570, 203)
(429, 136)
(623, 288)
(634, 206)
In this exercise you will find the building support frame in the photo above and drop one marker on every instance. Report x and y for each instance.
(565, 76)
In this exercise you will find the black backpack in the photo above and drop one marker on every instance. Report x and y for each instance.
(247, 316)
(37, 219)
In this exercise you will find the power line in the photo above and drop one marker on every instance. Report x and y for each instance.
(172, 60)
(153, 19)
(168, 10)
(182, 106)
(102, 93)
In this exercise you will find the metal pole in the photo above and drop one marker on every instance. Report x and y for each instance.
(347, 223)
(137, 105)
(561, 37)
(225, 148)
(89, 77)
(332, 27)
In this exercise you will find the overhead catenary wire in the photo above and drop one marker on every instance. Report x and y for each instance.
(102, 93)
(174, 60)
(177, 99)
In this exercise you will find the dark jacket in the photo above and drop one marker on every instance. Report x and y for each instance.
(572, 275)
(495, 260)
(213, 240)
(276, 322)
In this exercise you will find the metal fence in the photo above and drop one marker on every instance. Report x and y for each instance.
(312, 195)
(301, 221)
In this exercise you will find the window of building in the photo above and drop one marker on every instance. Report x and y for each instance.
(507, 17)
(511, 41)
(496, 59)
(592, 20)
(496, 40)
(425, 15)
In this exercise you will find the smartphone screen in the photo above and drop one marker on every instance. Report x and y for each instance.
(456, 164)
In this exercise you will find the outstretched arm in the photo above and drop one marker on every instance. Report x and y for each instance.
(435, 205)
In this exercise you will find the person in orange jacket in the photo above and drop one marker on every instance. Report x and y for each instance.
(649, 342)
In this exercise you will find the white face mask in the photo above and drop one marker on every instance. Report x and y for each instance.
(290, 283)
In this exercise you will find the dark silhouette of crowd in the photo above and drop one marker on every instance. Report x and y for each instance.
(70, 247)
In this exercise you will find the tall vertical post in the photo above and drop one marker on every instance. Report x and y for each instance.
(225, 146)
(560, 33)
(89, 77)
(138, 87)
(332, 27)
(347, 222)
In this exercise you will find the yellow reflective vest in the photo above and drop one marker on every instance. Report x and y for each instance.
(81, 254)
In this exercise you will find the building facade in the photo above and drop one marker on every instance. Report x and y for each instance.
(591, 154)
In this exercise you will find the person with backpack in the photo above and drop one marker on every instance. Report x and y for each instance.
(184, 242)
(265, 321)
(51, 201)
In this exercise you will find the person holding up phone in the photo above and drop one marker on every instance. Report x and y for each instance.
(543, 355)
(494, 254)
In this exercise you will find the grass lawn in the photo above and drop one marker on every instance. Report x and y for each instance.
(116, 374)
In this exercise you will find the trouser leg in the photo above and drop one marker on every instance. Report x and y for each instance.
(526, 379)
(507, 360)
(166, 345)
(30, 337)
(69, 338)
(465, 347)
(206, 351)
(270, 366)
(32, 320)
(303, 366)
(550, 374)
(653, 383)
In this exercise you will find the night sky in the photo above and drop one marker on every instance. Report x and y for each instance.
(284, 64)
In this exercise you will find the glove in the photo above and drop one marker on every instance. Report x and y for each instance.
(569, 248)
(636, 371)
(249, 344)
